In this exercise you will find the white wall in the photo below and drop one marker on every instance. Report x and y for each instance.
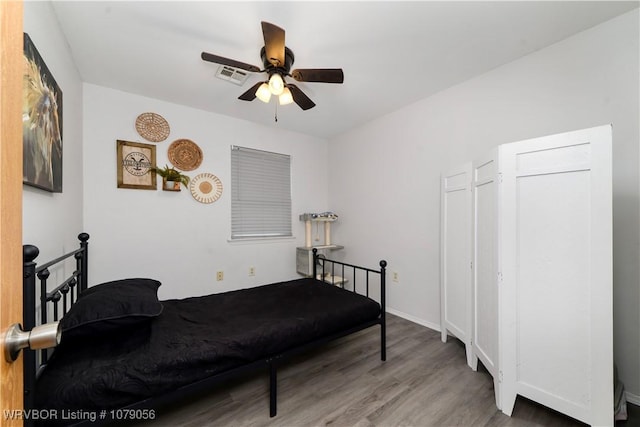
(51, 221)
(389, 203)
(169, 235)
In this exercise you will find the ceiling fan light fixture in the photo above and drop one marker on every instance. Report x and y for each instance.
(277, 60)
(276, 84)
(285, 97)
(263, 93)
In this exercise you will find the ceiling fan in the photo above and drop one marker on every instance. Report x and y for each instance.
(277, 60)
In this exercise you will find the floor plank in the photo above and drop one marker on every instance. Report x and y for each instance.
(423, 383)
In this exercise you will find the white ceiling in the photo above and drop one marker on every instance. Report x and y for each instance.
(392, 53)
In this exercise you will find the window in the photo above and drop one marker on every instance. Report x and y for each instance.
(260, 194)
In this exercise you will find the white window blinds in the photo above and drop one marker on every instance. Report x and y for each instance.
(260, 194)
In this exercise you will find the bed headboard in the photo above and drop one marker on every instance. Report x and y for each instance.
(61, 298)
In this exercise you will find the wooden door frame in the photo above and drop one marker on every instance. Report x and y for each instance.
(11, 54)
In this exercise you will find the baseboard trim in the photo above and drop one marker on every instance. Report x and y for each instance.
(632, 398)
(435, 327)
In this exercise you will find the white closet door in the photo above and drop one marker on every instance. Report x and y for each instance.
(485, 268)
(556, 262)
(455, 274)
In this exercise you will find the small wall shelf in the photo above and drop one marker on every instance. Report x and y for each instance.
(170, 185)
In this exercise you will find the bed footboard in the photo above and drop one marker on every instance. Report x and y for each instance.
(327, 268)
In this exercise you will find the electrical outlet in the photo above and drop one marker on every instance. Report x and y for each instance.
(220, 276)
(252, 271)
(394, 275)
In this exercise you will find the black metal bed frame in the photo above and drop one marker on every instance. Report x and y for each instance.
(67, 293)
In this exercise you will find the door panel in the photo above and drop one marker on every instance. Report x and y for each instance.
(556, 263)
(456, 257)
(485, 286)
(553, 258)
(11, 16)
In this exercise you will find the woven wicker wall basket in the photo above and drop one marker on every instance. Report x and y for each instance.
(185, 154)
(152, 127)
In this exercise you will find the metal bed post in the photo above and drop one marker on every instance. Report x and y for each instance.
(29, 254)
(83, 261)
(383, 323)
(273, 388)
(315, 263)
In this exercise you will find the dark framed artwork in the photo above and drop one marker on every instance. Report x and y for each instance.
(41, 123)
(135, 161)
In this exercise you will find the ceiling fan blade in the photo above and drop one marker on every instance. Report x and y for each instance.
(250, 95)
(321, 75)
(300, 98)
(230, 62)
(273, 43)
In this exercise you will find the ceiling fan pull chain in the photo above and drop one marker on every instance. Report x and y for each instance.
(276, 115)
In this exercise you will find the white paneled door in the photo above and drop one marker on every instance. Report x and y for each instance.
(485, 307)
(455, 286)
(556, 264)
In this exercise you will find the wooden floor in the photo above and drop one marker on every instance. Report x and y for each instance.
(424, 382)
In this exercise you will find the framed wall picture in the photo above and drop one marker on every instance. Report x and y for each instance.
(135, 161)
(41, 123)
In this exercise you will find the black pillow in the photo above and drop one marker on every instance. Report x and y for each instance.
(110, 306)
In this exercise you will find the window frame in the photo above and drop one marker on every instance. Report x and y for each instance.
(260, 211)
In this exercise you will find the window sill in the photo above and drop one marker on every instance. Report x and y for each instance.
(260, 240)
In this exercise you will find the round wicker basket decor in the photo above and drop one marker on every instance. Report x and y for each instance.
(206, 188)
(152, 127)
(185, 154)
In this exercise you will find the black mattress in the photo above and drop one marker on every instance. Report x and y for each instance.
(195, 338)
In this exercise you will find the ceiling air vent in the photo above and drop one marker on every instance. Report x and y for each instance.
(232, 75)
